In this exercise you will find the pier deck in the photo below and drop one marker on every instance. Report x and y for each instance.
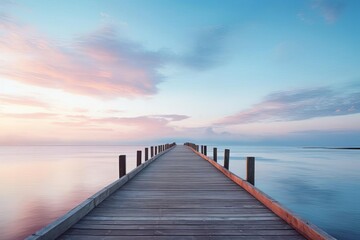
(181, 196)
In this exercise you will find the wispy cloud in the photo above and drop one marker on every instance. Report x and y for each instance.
(141, 122)
(139, 126)
(7, 2)
(298, 105)
(172, 117)
(207, 49)
(122, 62)
(344, 138)
(113, 111)
(81, 128)
(22, 100)
(330, 10)
(100, 63)
(29, 116)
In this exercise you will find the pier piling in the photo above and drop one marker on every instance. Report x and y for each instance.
(122, 165)
(226, 158)
(215, 154)
(138, 158)
(146, 154)
(250, 170)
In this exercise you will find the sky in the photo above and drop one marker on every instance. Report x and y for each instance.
(133, 71)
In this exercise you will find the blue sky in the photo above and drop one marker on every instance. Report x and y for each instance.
(249, 72)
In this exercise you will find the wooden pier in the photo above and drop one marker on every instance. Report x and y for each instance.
(180, 194)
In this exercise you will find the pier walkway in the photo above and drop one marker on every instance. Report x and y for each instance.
(181, 196)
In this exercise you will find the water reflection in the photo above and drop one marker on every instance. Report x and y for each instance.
(320, 185)
(38, 184)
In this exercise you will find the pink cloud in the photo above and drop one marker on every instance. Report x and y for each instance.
(99, 64)
(114, 111)
(29, 116)
(141, 122)
(22, 100)
(140, 126)
(330, 10)
(299, 104)
(85, 128)
(172, 117)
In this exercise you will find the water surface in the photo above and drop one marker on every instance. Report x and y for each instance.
(320, 185)
(41, 183)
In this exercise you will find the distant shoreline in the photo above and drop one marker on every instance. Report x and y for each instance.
(339, 148)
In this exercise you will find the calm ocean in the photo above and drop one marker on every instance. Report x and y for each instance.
(40, 183)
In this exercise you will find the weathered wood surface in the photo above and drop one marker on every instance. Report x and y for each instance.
(181, 196)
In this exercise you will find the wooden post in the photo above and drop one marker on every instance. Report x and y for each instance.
(226, 158)
(205, 150)
(215, 154)
(122, 165)
(138, 158)
(202, 149)
(152, 151)
(250, 170)
(156, 148)
(146, 154)
(197, 148)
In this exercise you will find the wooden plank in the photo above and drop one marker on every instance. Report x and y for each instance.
(184, 222)
(186, 218)
(180, 226)
(205, 237)
(179, 205)
(182, 232)
(184, 194)
(180, 211)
